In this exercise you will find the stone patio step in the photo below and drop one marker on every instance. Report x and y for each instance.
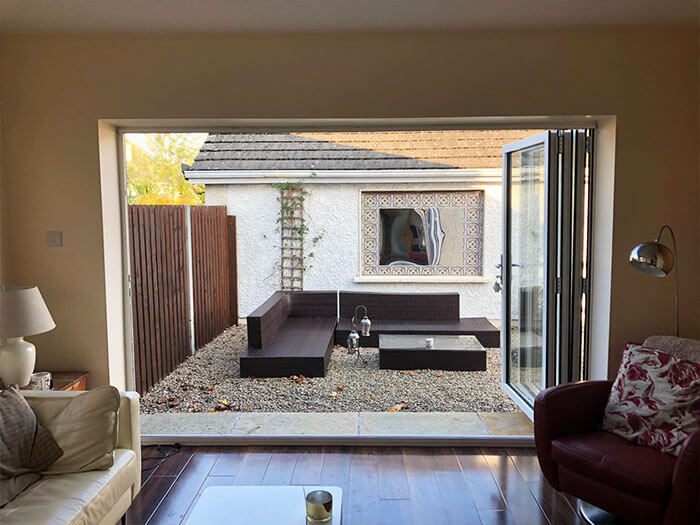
(410, 424)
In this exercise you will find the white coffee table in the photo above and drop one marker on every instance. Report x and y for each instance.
(255, 505)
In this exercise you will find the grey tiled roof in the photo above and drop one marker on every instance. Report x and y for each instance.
(274, 151)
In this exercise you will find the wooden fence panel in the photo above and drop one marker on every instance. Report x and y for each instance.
(210, 270)
(160, 276)
(157, 242)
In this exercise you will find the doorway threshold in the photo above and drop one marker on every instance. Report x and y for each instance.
(339, 428)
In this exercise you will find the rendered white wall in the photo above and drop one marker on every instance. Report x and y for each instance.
(333, 210)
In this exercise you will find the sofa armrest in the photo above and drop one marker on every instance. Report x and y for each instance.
(130, 428)
(572, 408)
(264, 322)
(566, 409)
(684, 503)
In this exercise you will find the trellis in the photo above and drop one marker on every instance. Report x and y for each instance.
(292, 232)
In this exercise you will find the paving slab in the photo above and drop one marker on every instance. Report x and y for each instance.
(421, 424)
(296, 423)
(199, 423)
(507, 423)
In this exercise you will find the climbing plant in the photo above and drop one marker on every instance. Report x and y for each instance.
(293, 229)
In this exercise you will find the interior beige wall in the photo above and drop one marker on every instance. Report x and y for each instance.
(55, 88)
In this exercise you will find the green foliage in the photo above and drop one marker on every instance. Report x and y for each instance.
(153, 168)
(292, 197)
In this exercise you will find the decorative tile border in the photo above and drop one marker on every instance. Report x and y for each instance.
(472, 227)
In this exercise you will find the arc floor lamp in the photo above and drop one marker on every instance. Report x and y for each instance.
(654, 258)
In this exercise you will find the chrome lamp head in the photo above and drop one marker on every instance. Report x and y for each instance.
(652, 258)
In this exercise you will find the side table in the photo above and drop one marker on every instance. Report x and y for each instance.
(69, 381)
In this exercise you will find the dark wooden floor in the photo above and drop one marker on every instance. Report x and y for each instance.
(383, 486)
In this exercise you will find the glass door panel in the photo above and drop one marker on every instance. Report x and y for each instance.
(525, 268)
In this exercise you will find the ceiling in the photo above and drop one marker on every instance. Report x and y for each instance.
(232, 16)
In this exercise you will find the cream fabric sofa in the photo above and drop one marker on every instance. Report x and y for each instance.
(86, 498)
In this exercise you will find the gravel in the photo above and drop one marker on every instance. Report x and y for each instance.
(209, 379)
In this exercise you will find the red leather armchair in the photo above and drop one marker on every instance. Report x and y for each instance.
(633, 482)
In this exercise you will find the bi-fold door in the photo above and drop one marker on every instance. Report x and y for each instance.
(546, 232)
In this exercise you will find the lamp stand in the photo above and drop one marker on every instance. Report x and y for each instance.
(17, 359)
(675, 274)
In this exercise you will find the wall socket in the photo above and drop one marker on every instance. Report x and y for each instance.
(54, 239)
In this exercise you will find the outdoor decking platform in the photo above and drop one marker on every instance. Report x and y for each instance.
(302, 346)
(480, 327)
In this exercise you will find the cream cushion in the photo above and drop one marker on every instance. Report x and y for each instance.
(83, 498)
(85, 428)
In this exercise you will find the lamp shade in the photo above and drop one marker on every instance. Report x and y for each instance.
(23, 312)
(652, 258)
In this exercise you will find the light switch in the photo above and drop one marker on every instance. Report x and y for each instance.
(54, 239)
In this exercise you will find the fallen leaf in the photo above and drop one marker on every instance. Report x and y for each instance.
(439, 375)
(374, 396)
(212, 410)
(413, 373)
(210, 389)
(402, 371)
(224, 401)
(398, 407)
(333, 394)
(340, 388)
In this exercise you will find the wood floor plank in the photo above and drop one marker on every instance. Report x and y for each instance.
(336, 467)
(456, 499)
(253, 466)
(174, 464)
(425, 494)
(280, 469)
(151, 495)
(183, 492)
(391, 474)
(520, 500)
(394, 512)
(307, 470)
(497, 517)
(228, 462)
(554, 504)
(444, 459)
(483, 487)
(362, 505)
(526, 462)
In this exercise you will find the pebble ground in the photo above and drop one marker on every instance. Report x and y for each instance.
(209, 381)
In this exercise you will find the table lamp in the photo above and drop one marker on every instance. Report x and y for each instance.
(654, 258)
(22, 313)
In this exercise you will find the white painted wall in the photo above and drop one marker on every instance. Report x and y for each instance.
(333, 210)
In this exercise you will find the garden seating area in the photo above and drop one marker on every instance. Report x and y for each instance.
(293, 333)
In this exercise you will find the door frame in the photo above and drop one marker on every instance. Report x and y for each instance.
(601, 240)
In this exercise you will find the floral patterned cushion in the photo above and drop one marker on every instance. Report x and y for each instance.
(655, 399)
